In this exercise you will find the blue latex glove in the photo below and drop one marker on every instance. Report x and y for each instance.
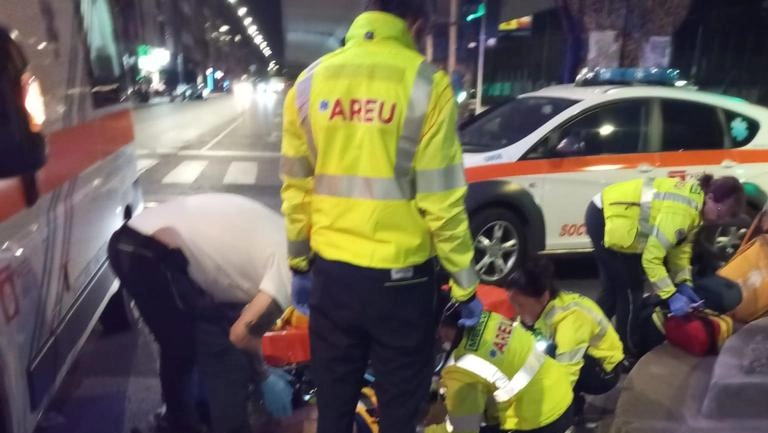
(470, 313)
(687, 291)
(679, 305)
(301, 285)
(277, 393)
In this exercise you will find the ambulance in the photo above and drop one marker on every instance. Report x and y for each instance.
(534, 163)
(68, 179)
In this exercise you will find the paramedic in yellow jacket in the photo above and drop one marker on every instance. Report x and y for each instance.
(645, 228)
(373, 190)
(572, 328)
(496, 375)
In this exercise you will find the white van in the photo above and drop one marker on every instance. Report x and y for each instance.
(68, 179)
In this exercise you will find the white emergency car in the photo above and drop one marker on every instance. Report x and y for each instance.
(67, 181)
(534, 163)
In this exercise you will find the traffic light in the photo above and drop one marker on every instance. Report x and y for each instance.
(479, 12)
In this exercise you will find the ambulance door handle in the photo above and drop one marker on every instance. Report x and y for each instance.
(645, 168)
(728, 163)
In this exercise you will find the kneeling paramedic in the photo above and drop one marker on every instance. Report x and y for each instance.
(572, 327)
(191, 265)
(373, 190)
(645, 228)
(496, 375)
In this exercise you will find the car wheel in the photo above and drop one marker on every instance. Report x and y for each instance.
(717, 244)
(499, 242)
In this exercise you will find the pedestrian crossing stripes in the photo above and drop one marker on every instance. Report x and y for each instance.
(144, 164)
(208, 172)
(186, 172)
(241, 173)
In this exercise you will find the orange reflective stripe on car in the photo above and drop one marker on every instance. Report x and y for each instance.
(614, 161)
(70, 152)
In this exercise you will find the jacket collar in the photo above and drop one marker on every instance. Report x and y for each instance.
(375, 25)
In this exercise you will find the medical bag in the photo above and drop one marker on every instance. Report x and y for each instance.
(699, 333)
(749, 268)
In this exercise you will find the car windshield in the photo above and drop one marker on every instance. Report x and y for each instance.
(511, 122)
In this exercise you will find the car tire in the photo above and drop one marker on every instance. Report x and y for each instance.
(500, 243)
(120, 314)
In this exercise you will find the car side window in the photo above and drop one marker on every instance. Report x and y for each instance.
(741, 128)
(690, 126)
(106, 64)
(619, 127)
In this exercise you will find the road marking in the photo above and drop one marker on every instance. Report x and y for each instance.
(220, 136)
(186, 172)
(241, 173)
(144, 164)
(232, 153)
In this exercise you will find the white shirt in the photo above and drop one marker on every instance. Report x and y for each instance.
(235, 246)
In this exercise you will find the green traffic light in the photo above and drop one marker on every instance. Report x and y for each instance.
(478, 13)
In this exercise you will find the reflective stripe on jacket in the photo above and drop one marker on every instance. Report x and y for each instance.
(371, 162)
(658, 218)
(578, 327)
(497, 363)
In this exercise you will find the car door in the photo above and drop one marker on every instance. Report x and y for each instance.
(604, 145)
(694, 139)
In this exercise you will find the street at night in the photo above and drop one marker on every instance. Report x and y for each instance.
(499, 216)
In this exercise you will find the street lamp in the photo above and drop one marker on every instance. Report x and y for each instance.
(242, 11)
(252, 30)
(247, 21)
(224, 28)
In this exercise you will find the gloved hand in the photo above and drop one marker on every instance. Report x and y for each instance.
(301, 285)
(679, 305)
(470, 313)
(686, 290)
(277, 393)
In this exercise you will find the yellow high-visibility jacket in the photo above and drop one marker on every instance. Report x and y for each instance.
(657, 218)
(371, 162)
(578, 326)
(497, 364)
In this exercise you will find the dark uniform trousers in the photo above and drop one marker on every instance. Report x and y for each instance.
(622, 277)
(190, 340)
(364, 317)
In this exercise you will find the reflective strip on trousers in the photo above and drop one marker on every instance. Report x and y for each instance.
(463, 422)
(572, 355)
(303, 91)
(466, 278)
(296, 166)
(440, 179)
(506, 387)
(298, 248)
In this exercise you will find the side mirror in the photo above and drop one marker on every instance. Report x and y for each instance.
(22, 113)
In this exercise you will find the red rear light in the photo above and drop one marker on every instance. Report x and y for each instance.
(33, 101)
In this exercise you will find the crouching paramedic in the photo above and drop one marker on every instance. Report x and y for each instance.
(572, 327)
(495, 374)
(191, 265)
(645, 228)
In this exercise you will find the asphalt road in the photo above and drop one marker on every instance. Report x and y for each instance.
(187, 148)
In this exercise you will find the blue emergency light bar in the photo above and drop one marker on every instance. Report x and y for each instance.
(605, 76)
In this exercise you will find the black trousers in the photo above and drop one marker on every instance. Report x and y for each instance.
(361, 316)
(622, 278)
(594, 380)
(189, 340)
